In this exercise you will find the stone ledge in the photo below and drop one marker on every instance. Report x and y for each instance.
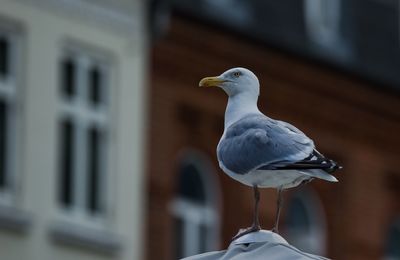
(15, 219)
(86, 237)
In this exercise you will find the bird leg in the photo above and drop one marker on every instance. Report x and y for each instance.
(278, 210)
(256, 223)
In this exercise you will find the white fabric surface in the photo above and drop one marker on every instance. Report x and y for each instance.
(256, 246)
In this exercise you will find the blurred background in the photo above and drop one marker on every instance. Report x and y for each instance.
(107, 145)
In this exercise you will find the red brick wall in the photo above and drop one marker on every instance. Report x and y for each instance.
(351, 120)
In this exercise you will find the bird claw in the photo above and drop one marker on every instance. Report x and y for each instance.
(245, 231)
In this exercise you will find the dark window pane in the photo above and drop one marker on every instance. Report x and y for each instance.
(93, 196)
(68, 72)
(178, 225)
(393, 244)
(297, 215)
(4, 57)
(67, 163)
(95, 85)
(191, 186)
(3, 143)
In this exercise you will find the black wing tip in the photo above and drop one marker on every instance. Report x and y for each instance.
(327, 165)
(333, 166)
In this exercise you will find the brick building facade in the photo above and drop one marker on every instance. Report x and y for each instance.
(352, 120)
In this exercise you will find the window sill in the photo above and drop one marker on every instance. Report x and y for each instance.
(14, 219)
(73, 234)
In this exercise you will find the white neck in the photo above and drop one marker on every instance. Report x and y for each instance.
(240, 105)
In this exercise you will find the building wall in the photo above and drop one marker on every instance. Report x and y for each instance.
(353, 121)
(45, 28)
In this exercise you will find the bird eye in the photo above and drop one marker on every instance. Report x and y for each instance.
(237, 74)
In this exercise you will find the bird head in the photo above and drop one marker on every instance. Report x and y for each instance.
(234, 81)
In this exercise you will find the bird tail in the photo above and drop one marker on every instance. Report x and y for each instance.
(320, 174)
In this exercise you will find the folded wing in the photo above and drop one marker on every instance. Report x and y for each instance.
(259, 142)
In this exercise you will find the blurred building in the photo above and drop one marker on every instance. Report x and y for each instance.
(329, 67)
(71, 129)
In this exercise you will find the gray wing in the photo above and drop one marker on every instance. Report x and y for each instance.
(257, 141)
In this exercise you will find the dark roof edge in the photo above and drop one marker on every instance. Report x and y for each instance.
(362, 77)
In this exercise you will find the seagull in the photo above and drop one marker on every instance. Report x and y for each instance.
(259, 151)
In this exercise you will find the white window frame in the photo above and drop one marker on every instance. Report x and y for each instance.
(194, 215)
(237, 11)
(79, 110)
(9, 92)
(315, 236)
(322, 26)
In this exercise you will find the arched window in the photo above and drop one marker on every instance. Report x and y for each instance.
(322, 20)
(305, 222)
(392, 251)
(194, 209)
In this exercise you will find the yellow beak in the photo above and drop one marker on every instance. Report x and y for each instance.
(211, 82)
